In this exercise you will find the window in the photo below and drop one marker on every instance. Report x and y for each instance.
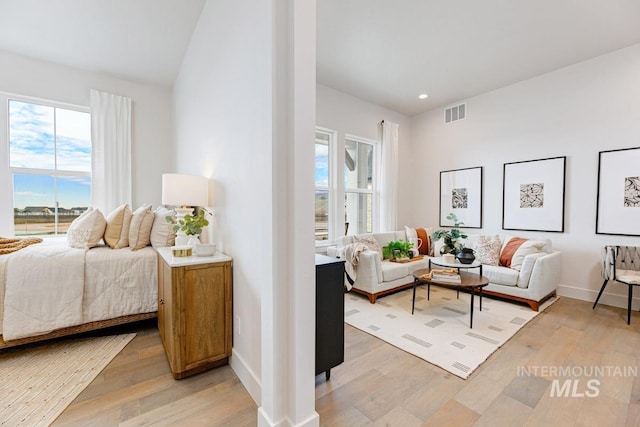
(345, 198)
(50, 165)
(358, 186)
(322, 176)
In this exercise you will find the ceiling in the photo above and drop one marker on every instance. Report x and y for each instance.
(388, 52)
(383, 51)
(140, 40)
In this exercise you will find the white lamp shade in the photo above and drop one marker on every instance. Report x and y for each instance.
(185, 190)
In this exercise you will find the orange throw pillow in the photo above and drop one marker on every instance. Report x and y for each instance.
(424, 239)
(509, 249)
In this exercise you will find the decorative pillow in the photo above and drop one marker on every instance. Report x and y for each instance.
(424, 234)
(116, 234)
(86, 231)
(162, 233)
(140, 229)
(509, 249)
(527, 248)
(516, 248)
(370, 242)
(487, 249)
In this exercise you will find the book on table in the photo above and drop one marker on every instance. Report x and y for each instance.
(446, 278)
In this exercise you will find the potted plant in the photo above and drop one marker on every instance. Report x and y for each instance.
(190, 225)
(398, 249)
(450, 237)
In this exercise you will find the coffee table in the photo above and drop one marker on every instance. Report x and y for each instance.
(467, 281)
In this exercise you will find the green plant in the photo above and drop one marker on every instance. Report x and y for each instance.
(450, 237)
(191, 225)
(399, 245)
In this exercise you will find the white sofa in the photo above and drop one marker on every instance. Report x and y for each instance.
(376, 277)
(536, 281)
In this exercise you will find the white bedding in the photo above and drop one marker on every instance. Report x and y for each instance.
(49, 286)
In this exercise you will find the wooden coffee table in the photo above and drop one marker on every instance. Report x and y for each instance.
(467, 281)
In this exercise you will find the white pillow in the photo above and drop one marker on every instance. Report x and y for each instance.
(487, 249)
(411, 233)
(140, 229)
(527, 248)
(116, 235)
(162, 233)
(86, 231)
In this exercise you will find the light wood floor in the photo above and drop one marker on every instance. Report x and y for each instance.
(381, 385)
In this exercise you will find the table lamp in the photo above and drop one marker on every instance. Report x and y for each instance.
(184, 191)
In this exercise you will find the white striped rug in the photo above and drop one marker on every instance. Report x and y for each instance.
(439, 330)
(39, 382)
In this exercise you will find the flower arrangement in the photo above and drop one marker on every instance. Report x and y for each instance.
(191, 225)
(450, 237)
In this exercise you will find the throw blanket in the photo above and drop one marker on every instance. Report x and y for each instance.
(8, 246)
(34, 301)
(351, 254)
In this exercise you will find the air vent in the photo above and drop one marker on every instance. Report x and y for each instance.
(455, 113)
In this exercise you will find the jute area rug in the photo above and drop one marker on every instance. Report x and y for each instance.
(39, 382)
(439, 330)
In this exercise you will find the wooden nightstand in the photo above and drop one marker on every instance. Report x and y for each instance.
(194, 311)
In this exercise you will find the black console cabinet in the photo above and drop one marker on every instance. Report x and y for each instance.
(329, 313)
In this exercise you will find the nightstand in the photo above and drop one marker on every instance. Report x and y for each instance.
(194, 311)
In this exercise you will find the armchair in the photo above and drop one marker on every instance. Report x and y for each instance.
(621, 264)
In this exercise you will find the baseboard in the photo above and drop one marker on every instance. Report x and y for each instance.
(265, 421)
(248, 379)
(614, 300)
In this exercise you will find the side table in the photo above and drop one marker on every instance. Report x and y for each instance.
(194, 311)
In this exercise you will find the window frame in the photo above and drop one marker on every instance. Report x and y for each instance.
(336, 185)
(331, 188)
(7, 171)
(374, 184)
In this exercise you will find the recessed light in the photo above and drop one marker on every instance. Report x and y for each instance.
(423, 96)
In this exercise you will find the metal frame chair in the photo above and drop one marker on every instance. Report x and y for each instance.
(621, 264)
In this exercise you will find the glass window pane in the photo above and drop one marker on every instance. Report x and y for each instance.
(358, 165)
(34, 205)
(31, 142)
(359, 213)
(73, 140)
(322, 163)
(322, 215)
(73, 198)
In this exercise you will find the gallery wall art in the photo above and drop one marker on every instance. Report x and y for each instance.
(461, 194)
(533, 195)
(618, 207)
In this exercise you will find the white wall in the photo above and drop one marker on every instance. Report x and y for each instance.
(151, 115)
(576, 112)
(346, 114)
(243, 116)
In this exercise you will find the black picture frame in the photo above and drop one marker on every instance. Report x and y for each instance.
(533, 195)
(618, 193)
(461, 193)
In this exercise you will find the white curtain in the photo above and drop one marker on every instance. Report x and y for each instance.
(110, 151)
(388, 177)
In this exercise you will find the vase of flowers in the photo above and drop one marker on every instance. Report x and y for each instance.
(189, 227)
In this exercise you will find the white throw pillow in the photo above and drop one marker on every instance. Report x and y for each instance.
(116, 235)
(527, 248)
(140, 229)
(487, 249)
(162, 233)
(86, 231)
(370, 242)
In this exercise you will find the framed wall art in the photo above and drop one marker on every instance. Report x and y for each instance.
(533, 195)
(461, 194)
(618, 206)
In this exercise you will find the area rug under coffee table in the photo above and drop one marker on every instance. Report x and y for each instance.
(439, 330)
(39, 382)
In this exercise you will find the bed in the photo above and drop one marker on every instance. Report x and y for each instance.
(49, 290)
